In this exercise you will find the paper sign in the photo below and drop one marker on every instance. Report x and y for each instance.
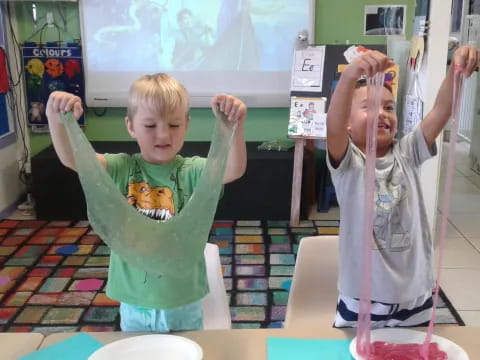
(413, 113)
(78, 347)
(307, 71)
(307, 117)
(308, 349)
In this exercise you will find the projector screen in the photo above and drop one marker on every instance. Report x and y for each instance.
(241, 47)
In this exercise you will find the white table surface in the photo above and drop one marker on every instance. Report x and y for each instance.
(251, 344)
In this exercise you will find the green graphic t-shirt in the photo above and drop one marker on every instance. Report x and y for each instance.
(159, 192)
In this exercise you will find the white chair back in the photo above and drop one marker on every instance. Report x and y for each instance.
(216, 310)
(312, 299)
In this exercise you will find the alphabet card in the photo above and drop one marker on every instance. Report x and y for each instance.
(307, 70)
(307, 117)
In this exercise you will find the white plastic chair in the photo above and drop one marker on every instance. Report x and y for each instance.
(216, 312)
(313, 294)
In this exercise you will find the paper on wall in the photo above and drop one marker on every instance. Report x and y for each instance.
(307, 70)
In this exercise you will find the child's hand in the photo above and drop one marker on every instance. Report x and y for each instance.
(368, 64)
(59, 102)
(466, 58)
(232, 107)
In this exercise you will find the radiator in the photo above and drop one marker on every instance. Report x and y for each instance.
(468, 108)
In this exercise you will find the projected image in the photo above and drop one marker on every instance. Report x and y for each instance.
(184, 35)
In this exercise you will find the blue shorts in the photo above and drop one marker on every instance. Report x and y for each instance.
(139, 318)
(412, 313)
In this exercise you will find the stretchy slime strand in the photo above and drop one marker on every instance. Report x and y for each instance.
(456, 108)
(374, 98)
(170, 248)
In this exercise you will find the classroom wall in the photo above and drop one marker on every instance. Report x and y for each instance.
(10, 187)
(339, 21)
(336, 22)
(11, 148)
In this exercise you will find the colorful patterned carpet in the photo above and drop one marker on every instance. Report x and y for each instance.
(53, 274)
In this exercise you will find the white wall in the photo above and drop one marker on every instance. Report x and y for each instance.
(431, 77)
(11, 188)
(475, 144)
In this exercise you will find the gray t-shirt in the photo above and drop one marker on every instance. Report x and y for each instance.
(402, 259)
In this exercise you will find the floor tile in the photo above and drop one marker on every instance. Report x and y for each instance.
(475, 242)
(462, 287)
(475, 180)
(471, 318)
(466, 203)
(464, 168)
(459, 253)
(461, 185)
(468, 224)
(452, 232)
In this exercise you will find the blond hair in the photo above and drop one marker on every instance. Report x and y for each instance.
(161, 93)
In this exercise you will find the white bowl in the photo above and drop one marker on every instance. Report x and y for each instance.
(150, 347)
(407, 336)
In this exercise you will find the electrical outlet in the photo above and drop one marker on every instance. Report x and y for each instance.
(50, 20)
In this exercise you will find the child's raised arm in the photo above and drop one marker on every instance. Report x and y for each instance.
(59, 102)
(367, 64)
(466, 58)
(235, 110)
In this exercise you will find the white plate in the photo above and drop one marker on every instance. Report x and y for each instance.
(150, 347)
(407, 336)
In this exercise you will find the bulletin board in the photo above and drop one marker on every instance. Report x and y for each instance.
(4, 87)
(315, 72)
(333, 57)
(50, 68)
(308, 108)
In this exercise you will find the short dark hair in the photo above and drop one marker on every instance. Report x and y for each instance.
(362, 82)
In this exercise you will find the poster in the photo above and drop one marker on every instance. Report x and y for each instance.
(307, 117)
(48, 69)
(307, 69)
(391, 77)
(384, 20)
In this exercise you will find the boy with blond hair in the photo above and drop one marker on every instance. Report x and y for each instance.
(157, 182)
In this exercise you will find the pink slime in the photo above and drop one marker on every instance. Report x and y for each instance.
(380, 350)
(457, 95)
(373, 100)
(385, 351)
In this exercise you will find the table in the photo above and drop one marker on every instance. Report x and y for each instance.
(251, 344)
(14, 345)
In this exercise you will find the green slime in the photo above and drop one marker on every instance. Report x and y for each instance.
(172, 247)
